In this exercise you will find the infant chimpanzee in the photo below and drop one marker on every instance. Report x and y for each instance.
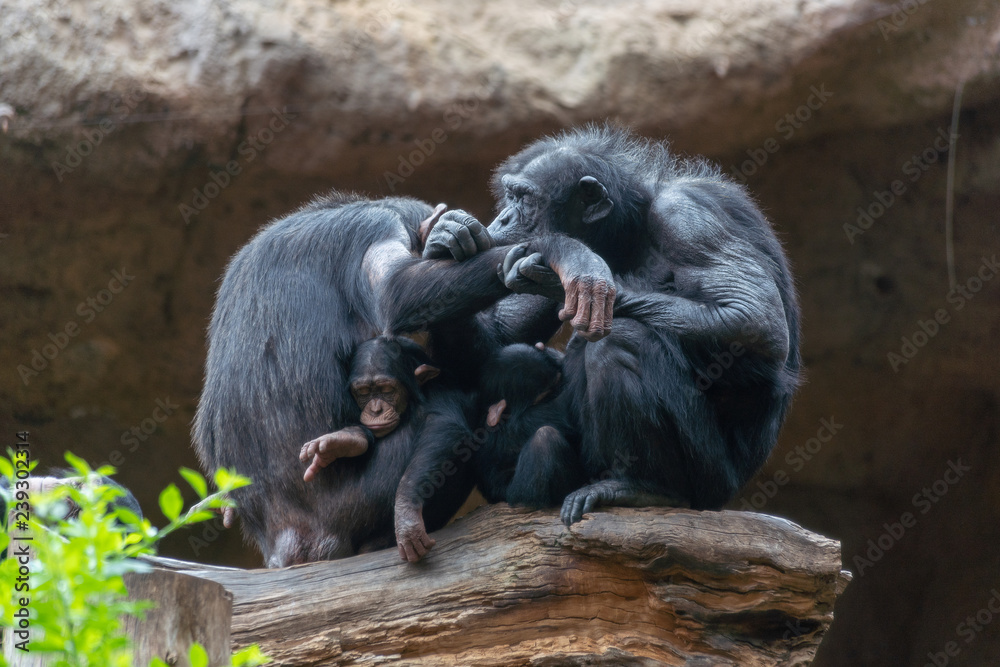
(531, 454)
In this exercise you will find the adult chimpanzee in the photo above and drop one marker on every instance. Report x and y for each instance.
(692, 384)
(531, 453)
(308, 289)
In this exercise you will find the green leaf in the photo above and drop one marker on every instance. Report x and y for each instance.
(198, 656)
(251, 656)
(196, 481)
(171, 502)
(156, 662)
(6, 469)
(198, 517)
(226, 480)
(79, 464)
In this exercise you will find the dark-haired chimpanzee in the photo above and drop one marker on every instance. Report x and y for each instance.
(385, 379)
(699, 284)
(366, 459)
(307, 289)
(531, 451)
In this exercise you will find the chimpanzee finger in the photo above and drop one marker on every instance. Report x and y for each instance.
(482, 237)
(569, 305)
(609, 308)
(589, 504)
(312, 470)
(576, 514)
(581, 322)
(513, 278)
(516, 253)
(464, 238)
(305, 453)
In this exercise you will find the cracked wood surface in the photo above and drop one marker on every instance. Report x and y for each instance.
(507, 587)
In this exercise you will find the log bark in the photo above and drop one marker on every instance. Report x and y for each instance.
(188, 610)
(506, 587)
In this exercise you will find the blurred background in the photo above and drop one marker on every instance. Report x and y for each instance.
(146, 142)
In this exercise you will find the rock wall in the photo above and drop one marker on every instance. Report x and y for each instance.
(148, 142)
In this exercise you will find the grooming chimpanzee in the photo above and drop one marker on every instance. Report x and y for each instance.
(308, 289)
(530, 456)
(692, 384)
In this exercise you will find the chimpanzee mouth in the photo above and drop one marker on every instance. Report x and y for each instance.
(382, 428)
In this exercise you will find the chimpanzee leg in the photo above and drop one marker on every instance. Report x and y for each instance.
(439, 475)
(547, 469)
(650, 436)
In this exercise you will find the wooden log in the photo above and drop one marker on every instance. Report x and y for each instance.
(506, 587)
(188, 610)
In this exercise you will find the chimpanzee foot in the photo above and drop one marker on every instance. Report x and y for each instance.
(324, 450)
(611, 492)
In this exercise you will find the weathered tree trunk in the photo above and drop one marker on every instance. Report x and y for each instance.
(188, 610)
(509, 587)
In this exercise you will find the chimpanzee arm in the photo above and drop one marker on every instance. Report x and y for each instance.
(439, 473)
(722, 287)
(565, 269)
(418, 293)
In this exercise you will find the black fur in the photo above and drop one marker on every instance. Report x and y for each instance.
(698, 270)
(532, 456)
(293, 304)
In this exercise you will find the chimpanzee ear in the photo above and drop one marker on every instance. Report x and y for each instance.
(426, 372)
(596, 203)
(495, 413)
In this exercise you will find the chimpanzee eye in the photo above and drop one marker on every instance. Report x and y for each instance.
(362, 391)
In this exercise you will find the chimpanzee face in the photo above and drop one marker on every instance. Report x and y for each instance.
(545, 196)
(386, 373)
(523, 208)
(382, 400)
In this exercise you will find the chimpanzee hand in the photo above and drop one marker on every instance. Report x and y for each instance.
(587, 282)
(411, 534)
(350, 441)
(456, 234)
(525, 273)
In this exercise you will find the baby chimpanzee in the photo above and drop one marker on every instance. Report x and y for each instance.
(386, 375)
(531, 453)
(356, 515)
